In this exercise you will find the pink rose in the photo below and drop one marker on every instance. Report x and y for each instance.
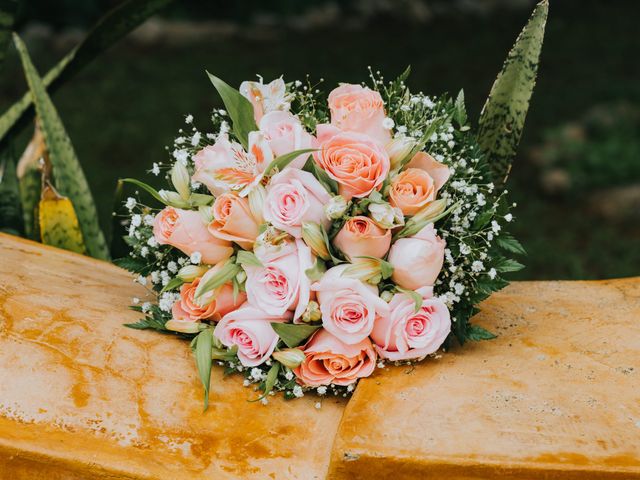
(417, 260)
(355, 161)
(360, 236)
(328, 360)
(225, 166)
(185, 230)
(349, 307)
(249, 328)
(217, 303)
(295, 196)
(405, 334)
(233, 221)
(359, 109)
(285, 133)
(281, 284)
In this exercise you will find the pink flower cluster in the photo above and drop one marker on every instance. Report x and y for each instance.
(269, 214)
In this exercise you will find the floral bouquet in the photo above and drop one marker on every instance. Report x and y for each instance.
(308, 240)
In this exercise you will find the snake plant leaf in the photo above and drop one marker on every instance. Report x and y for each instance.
(30, 171)
(69, 177)
(10, 208)
(503, 115)
(239, 108)
(8, 10)
(58, 221)
(114, 25)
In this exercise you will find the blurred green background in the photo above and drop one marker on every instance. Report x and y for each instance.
(577, 176)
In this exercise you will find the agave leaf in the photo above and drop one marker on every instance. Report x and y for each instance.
(503, 115)
(29, 171)
(70, 179)
(239, 108)
(58, 221)
(114, 25)
(10, 208)
(8, 10)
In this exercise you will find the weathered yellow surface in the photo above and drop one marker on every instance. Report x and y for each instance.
(82, 397)
(557, 395)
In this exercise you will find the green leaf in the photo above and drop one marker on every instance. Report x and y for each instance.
(503, 115)
(415, 296)
(172, 284)
(476, 333)
(329, 184)
(147, 188)
(70, 179)
(239, 109)
(510, 244)
(245, 257)
(11, 220)
(315, 273)
(152, 321)
(8, 9)
(404, 75)
(131, 264)
(204, 359)
(460, 112)
(432, 128)
(483, 219)
(29, 173)
(114, 25)
(283, 160)
(214, 279)
(293, 334)
(270, 381)
(508, 265)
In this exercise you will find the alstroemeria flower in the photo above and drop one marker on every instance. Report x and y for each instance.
(226, 166)
(266, 98)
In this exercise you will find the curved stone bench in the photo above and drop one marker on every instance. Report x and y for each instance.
(81, 397)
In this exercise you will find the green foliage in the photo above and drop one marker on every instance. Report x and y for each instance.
(325, 180)
(69, 177)
(118, 22)
(245, 257)
(279, 163)
(293, 334)
(8, 10)
(503, 115)
(239, 109)
(10, 209)
(270, 381)
(154, 320)
(476, 333)
(203, 348)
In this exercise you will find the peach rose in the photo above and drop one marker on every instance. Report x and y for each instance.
(349, 307)
(359, 109)
(185, 230)
(406, 334)
(417, 260)
(233, 221)
(281, 284)
(360, 236)
(436, 170)
(295, 196)
(249, 328)
(411, 190)
(328, 360)
(354, 160)
(217, 302)
(285, 133)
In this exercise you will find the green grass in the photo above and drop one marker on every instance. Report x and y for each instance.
(123, 110)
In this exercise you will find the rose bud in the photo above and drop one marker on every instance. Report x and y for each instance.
(182, 326)
(256, 202)
(417, 260)
(312, 313)
(398, 149)
(385, 215)
(336, 207)
(180, 180)
(290, 357)
(361, 237)
(189, 273)
(313, 237)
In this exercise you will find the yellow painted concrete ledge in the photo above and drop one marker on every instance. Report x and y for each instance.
(557, 395)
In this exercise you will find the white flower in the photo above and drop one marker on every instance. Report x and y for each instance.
(495, 226)
(148, 220)
(297, 391)
(508, 217)
(195, 140)
(477, 266)
(144, 251)
(195, 258)
(146, 306)
(131, 203)
(336, 207)
(136, 220)
(181, 155)
(385, 215)
(322, 390)
(155, 276)
(155, 169)
(350, 387)
(480, 199)
(152, 242)
(257, 374)
(188, 119)
(135, 300)
(318, 405)
(388, 123)
(141, 280)
(492, 273)
(288, 375)
(172, 266)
